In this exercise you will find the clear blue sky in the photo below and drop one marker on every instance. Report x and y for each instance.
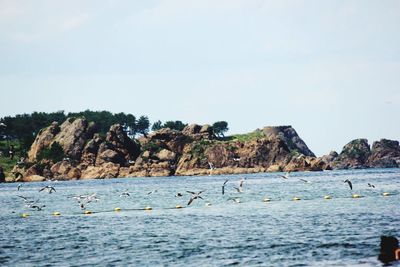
(331, 69)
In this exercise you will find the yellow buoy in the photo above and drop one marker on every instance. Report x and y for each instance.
(386, 194)
(327, 197)
(87, 212)
(117, 209)
(178, 207)
(296, 198)
(208, 204)
(356, 196)
(56, 213)
(148, 208)
(25, 215)
(266, 199)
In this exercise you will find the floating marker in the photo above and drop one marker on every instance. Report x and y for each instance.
(356, 196)
(266, 199)
(178, 207)
(56, 213)
(87, 212)
(386, 194)
(117, 209)
(208, 204)
(25, 215)
(296, 199)
(148, 208)
(327, 197)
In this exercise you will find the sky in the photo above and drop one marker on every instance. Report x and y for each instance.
(331, 69)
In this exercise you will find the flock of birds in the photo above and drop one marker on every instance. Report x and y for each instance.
(84, 200)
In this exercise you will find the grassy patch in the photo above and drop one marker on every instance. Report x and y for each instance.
(257, 134)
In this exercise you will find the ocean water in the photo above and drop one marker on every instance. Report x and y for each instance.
(341, 231)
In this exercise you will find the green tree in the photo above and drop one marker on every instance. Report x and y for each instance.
(156, 126)
(55, 153)
(174, 125)
(220, 128)
(143, 125)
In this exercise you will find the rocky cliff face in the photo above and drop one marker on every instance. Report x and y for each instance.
(290, 137)
(357, 154)
(193, 151)
(71, 135)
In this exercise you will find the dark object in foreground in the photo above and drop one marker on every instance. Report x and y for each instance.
(2, 175)
(390, 250)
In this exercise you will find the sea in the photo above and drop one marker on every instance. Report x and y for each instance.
(261, 226)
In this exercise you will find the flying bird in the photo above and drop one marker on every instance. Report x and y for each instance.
(194, 196)
(152, 192)
(304, 180)
(240, 188)
(36, 206)
(349, 183)
(223, 186)
(178, 195)
(125, 194)
(371, 185)
(286, 176)
(49, 189)
(211, 166)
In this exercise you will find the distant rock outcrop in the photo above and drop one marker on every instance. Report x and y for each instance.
(384, 154)
(290, 137)
(358, 155)
(353, 156)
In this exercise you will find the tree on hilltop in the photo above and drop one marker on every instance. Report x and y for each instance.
(220, 128)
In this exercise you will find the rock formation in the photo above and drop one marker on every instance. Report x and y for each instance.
(384, 154)
(290, 137)
(353, 156)
(71, 135)
(193, 151)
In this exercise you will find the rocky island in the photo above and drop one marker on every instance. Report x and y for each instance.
(195, 150)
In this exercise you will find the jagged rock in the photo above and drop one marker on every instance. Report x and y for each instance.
(90, 151)
(290, 137)
(332, 156)
(71, 136)
(33, 170)
(353, 156)
(385, 154)
(274, 168)
(166, 155)
(43, 140)
(165, 139)
(118, 148)
(108, 155)
(34, 178)
(64, 170)
(107, 170)
(191, 129)
(198, 132)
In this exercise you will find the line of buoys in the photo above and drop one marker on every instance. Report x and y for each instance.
(356, 196)
(117, 209)
(296, 199)
(208, 204)
(178, 207)
(266, 199)
(148, 208)
(327, 197)
(386, 194)
(56, 213)
(87, 212)
(25, 215)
